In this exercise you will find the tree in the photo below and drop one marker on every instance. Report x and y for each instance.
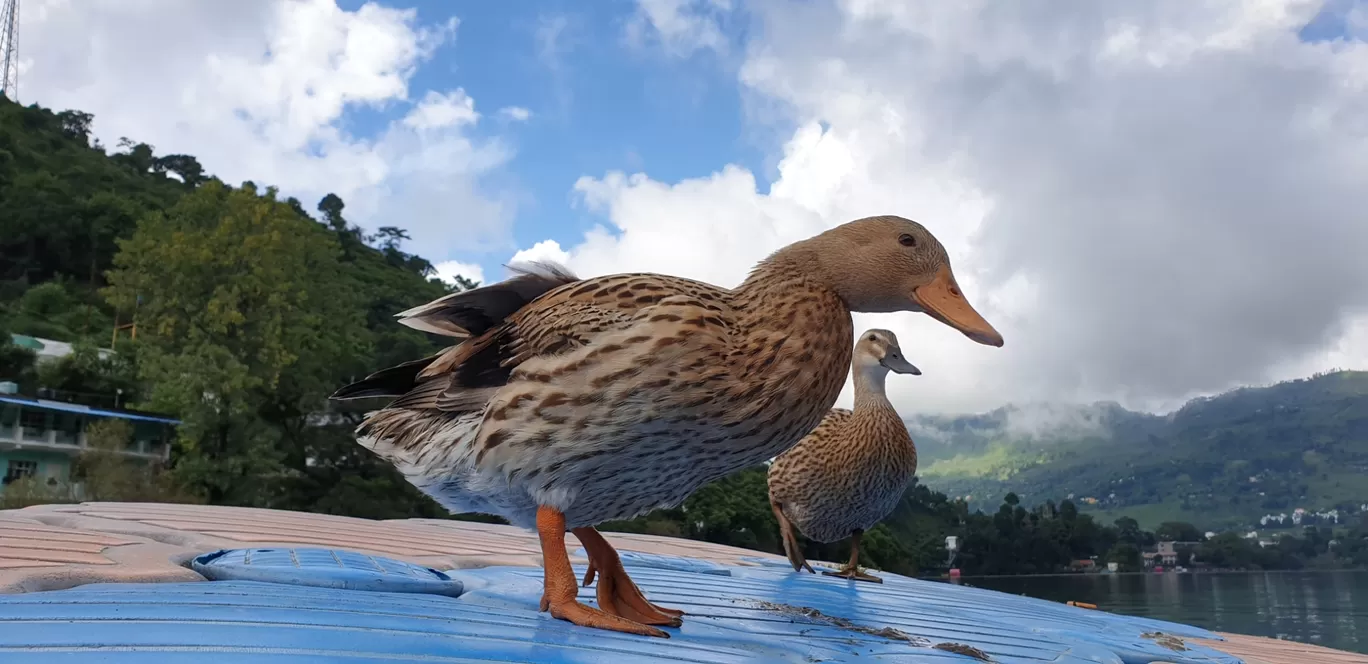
(185, 166)
(1227, 550)
(1127, 557)
(108, 475)
(1128, 530)
(733, 511)
(1068, 511)
(461, 283)
(76, 125)
(389, 237)
(881, 548)
(243, 310)
(1177, 531)
(139, 156)
(331, 207)
(16, 362)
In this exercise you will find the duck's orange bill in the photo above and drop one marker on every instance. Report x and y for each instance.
(942, 300)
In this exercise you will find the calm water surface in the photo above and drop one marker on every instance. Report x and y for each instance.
(1324, 608)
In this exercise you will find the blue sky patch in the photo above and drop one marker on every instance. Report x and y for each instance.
(596, 104)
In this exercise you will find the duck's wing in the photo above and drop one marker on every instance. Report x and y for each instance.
(596, 365)
(543, 313)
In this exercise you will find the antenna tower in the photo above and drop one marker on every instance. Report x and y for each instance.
(9, 50)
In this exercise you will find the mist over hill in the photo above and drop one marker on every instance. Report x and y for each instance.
(1220, 461)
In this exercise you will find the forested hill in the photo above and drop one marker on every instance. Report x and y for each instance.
(249, 310)
(1218, 461)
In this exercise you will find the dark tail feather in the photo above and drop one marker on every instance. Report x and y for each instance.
(465, 314)
(392, 382)
(472, 312)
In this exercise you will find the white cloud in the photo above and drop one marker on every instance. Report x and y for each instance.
(551, 39)
(680, 26)
(1149, 199)
(1356, 21)
(439, 111)
(515, 113)
(546, 250)
(712, 228)
(257, 90)
(448, 271)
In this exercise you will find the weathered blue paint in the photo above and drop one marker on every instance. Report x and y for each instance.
(324, 568)
(752, 614)
(678, 563)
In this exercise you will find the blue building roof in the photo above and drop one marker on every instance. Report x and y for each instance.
(85, 410)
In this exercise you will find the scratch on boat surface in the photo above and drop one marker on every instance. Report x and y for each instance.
(1166, 640)
(809, 614)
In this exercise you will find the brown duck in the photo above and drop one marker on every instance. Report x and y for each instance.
(852, 470)
(569, 402)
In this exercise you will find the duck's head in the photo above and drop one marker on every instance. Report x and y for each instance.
(878, 351)
(884, 264)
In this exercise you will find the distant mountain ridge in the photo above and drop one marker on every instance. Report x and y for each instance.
(1220, 461)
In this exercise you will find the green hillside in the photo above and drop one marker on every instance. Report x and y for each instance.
(1222, 461)
(238, 295)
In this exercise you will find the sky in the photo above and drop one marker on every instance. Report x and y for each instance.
(1151, 200)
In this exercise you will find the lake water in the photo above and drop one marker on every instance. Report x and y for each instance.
(1324, 608)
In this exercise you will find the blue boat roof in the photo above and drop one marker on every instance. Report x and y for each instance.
(324, 568)
(733, 614)
(85, 410)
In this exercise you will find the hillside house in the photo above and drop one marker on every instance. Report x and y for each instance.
(46, 350)
(41, 438)
(1166, 553)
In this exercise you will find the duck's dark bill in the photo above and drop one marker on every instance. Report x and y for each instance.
(899, 365)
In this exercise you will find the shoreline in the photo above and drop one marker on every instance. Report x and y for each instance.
(1159, 574)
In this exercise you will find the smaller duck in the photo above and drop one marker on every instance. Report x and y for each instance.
(850, 471)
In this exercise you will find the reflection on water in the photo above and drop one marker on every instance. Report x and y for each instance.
(1325, 608)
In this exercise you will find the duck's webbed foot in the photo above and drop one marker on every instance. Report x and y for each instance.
(854, 574)
(560, 590)
(616, 592)
(851, 570)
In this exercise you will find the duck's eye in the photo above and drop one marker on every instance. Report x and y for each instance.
(873, 338)
(907, 240)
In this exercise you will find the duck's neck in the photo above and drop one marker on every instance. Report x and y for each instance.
(787, 292)
(881, 430)
(869, 387)
(794, 347)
